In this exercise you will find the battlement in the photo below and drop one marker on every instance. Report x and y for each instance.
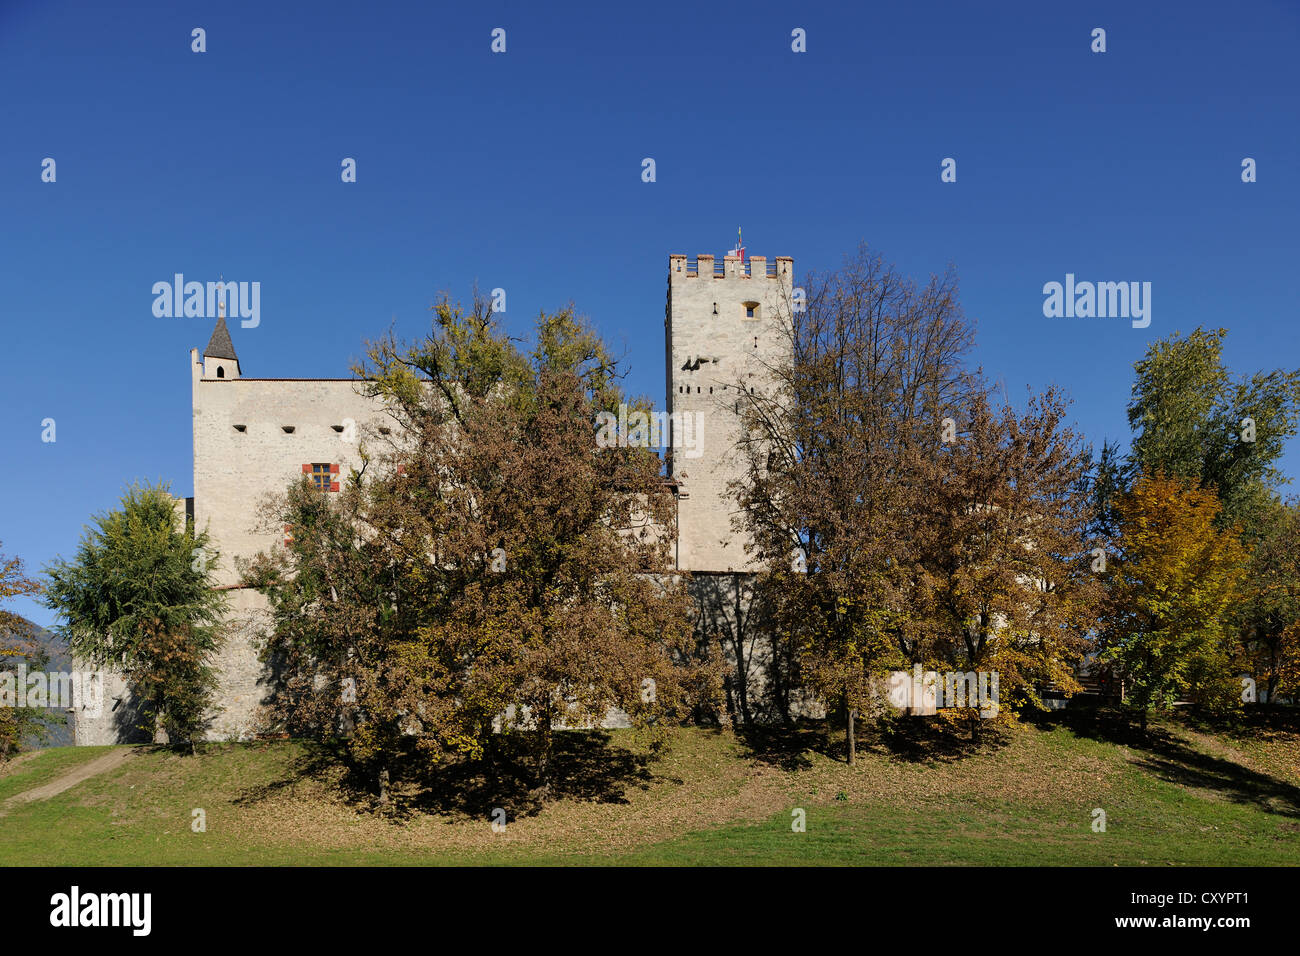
(731, 267)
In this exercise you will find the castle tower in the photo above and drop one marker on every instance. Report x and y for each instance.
(724, 332)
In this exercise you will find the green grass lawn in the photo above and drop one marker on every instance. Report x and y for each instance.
(1187, 797)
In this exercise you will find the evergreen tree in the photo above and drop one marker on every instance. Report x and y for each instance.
(138, 597)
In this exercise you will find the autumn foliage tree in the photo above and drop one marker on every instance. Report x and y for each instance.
(1000, 572)
(491, 568)
(1193, 420)
(898, 516)
(1269, 616)
(876, 360)
(1174, 576)
(15, 645)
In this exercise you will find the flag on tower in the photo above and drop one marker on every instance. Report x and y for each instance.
(740, 246)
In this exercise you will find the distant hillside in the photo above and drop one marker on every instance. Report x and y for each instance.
(52, 655)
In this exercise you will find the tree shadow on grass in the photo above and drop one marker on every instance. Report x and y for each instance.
(929, 740)
(315, 760)
(1255, 722)
(787, 747)
(1172, 758)
(585, 767)
(915, 739)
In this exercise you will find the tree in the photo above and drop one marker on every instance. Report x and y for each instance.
(1001, 563)
(138, 597)
(826, 500)
(491, 565)
(15, 644)
(1105, 480)
(1269, 615)
(1192, 420)
(1175, 575)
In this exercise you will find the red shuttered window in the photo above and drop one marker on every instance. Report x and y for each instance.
(323, 476)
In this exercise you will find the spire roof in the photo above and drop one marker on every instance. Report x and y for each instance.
(220, 346)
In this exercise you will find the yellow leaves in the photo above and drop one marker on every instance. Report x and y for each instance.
(1177, 576)
(13, 581)
(1170, 543)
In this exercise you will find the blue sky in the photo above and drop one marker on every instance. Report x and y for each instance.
(523, 170)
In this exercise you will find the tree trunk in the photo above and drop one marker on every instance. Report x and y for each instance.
(780, 669)
(742, 665)
(853, 746)
(544, 754)
(384, 799)
(742, 685)
(728, 690)
(160, 730)
(1142, 721)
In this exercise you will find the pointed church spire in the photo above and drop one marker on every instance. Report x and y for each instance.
(220, 346)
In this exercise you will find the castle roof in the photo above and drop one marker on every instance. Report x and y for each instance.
(220, 346)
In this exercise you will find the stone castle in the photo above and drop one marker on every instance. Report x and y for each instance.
(723, 328)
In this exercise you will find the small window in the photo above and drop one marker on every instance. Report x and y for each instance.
(221, 372)
(751, 310)
(287, 429)
(241, 428)
(322, 475)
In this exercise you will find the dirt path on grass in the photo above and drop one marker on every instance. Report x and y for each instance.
(69, 780)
